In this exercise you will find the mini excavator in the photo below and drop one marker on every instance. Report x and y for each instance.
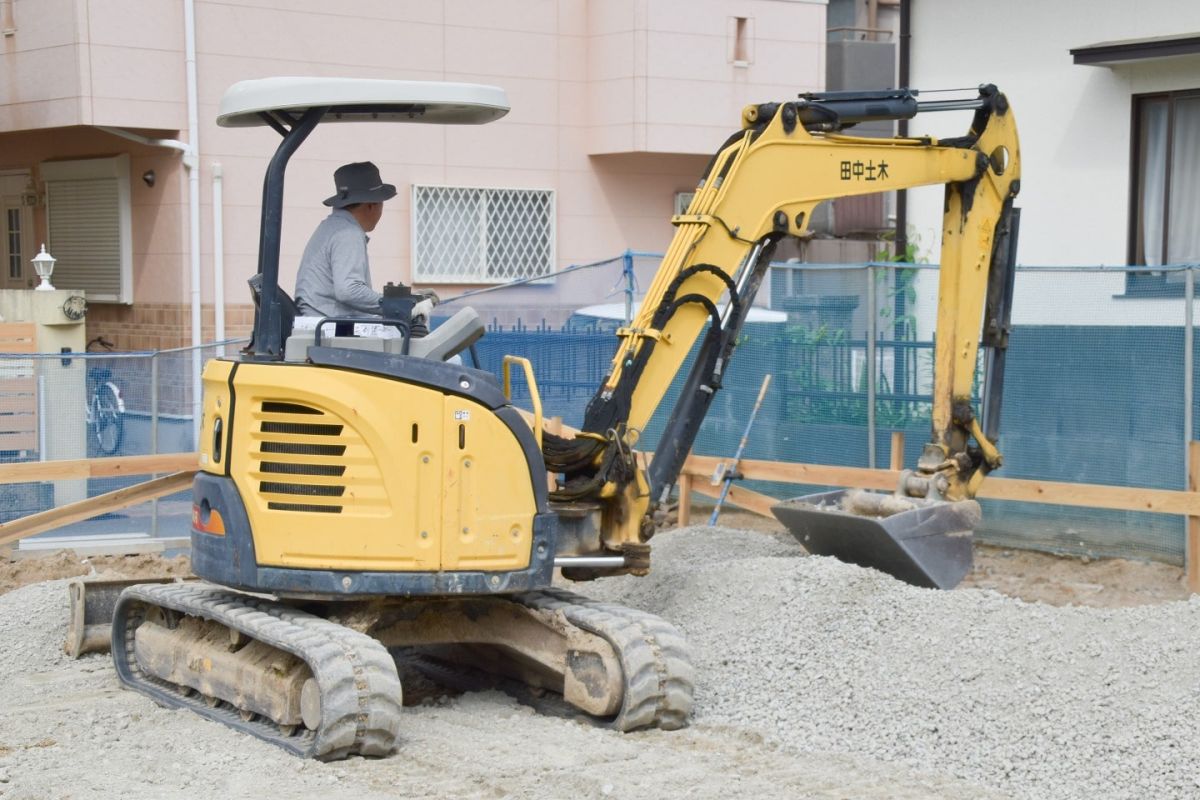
(366, 501)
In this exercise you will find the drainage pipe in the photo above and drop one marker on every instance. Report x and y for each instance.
(193, 106)
(191, 162)
(218, 196)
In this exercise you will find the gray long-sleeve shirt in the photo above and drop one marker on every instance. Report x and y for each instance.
(335, 276)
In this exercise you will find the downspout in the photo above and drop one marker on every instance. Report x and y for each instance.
(191, 162)
(899, 311)
(902, 128)
(189, 35)
(218, 200)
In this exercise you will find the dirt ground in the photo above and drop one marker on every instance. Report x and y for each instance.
(1023, 574)
(66, 564)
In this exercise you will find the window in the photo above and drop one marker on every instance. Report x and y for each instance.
(16, 260)
(466, 235)
(89, 226)
(682, 201)
(8, 17)
(1165, 217)
(741, 33)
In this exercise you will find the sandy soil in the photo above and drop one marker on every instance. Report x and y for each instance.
(66, 564)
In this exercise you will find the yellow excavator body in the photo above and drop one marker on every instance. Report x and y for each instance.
(348, 471)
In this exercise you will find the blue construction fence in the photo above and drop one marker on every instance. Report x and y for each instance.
(1098, 385)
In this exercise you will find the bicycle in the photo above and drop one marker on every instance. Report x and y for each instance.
(105, 407)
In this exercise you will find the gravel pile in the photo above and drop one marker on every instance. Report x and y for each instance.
(815, 680)
(1032, 700)
(33, 627)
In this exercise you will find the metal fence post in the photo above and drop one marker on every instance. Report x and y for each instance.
(41, 408)
(870, 365)
(154, 433)
(627, 269)
(1190, 532)
(1189, 294)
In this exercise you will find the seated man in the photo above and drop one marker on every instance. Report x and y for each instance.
(335, 275)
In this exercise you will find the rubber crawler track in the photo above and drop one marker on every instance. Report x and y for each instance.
(658, 674)
(360, 689)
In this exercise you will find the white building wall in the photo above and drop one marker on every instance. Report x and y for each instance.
(1075, 126)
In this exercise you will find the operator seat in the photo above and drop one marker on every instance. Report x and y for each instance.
(446, 340)
(287, 307)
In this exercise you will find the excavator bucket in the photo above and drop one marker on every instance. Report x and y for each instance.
(89, 627)
(922, 542)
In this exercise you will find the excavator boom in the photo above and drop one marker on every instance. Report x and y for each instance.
(760, 187)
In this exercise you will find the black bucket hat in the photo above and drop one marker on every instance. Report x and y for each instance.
(359, 183)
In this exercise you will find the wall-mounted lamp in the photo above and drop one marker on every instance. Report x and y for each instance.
(148, 177)
(43, 263)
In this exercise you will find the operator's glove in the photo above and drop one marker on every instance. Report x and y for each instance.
(428, 294)
(424, 309)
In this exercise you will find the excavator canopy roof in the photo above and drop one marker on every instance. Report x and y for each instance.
(362, 100)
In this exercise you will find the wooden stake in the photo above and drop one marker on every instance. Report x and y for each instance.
(86, 509)
(897, 462)
(1026, 490)
(1191, 547)
(742, 497)
(685, 499)
(32, 471)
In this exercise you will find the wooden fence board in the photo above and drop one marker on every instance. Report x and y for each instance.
(30, 471)
(1117, 498)
(739, 496)
(18, 337)
(93, 506)
(17, 404)
(815, 474)
(18, 395)
(18, 387)
(1087, 495)
(18, 440)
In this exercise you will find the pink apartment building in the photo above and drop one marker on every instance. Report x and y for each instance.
(109, 157)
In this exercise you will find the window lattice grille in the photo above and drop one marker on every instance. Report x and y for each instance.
(467, 235)
(15, 258)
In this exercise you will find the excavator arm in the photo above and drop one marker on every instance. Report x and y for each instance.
(760, 187)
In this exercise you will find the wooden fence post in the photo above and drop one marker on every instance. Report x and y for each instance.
(897, 455)
(1191, 546)
(685, 498)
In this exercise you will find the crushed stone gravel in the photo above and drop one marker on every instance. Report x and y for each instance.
(815, 679)
(1032, 700)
